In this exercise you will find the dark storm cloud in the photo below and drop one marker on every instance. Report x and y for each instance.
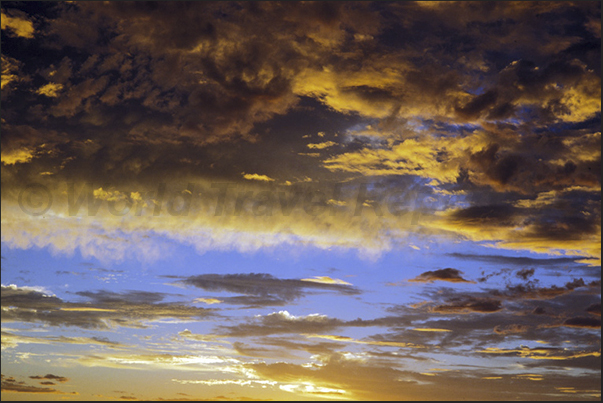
(105, 309)
(450, 275)
(260, 289)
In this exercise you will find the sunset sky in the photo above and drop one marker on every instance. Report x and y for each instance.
(301, 200)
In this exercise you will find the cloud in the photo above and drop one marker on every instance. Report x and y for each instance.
(17, 156)
(17, 23)
(51, 377)
(532, 291)
(469, 305)
(431, 330)
(525, 273)
(583, 322)
(543, 353)
(257, 177)
(516, 260)
(492, 137)
(321, 146)
(594, 309)
(164, 361)
(10, 340)
(346, 339)
(283, 322)
(326, 280)
(50, 90)
(260, 289)
(513, 228)
(510, 329)
(381, 380)
(11, 385)
(10, 71)
(209, 301)
(106, 309)
(450, 275)
(187, 334)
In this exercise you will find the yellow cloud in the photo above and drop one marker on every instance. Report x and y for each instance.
(427, 329)
(321, 146)
(257, 177)
(540, 353)
(109, 195)
(19, 26)
(16, 156)
(209, 301)
(10, 68)
(50, 90)
(439, 158)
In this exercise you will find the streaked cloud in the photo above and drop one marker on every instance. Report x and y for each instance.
(346, 339)
(104, 310)
(259, 289)
(326, 280)
(448, 274)
(257, 177)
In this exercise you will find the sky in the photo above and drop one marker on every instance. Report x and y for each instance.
(301, 200)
